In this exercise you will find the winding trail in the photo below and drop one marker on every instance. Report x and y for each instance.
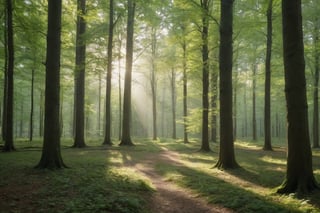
(170, 198)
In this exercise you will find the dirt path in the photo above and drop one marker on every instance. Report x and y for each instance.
(170, 198)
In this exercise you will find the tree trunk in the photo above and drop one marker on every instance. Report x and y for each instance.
(126, 135)
(9, 146)
(245, 120)
(51, 154)
(254, 86)
(120, 88)
(185, 93)
(173, 102)
(107, 136)
(153, 83)
(205, 76)
(99, 105)
(316, 90)
(267, 104)
(41, 113)
(226, 156)
(5, 81)
(79, 140)
(235, 109)
(299, 175)
(31, 107)
(214, 98)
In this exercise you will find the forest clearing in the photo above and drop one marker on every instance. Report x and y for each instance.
(152, 176)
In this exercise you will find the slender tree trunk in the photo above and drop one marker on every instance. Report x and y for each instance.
(245, 125)
(79, 140)
(299, 175)
(316, 90)
(154, 82)
(31, 107)
(41, 114)
(254, 86)
(99, 105)
(107, 137)
(9, 146)
(205, 76)
(51, 154)
(235, 109)
(185, 93)
(120, 88)
(214, 121)
(20, 127)
(226, 156)
(173, 102)
(5, 81)
(163, 114)
(267, 103)
(126, 135)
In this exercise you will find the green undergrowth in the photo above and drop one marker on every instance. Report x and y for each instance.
(94, 182)
(250, 188)
(102, 178)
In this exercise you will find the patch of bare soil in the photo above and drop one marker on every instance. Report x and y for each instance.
(170, 198)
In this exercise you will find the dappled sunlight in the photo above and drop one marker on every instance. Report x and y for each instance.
(275, 161)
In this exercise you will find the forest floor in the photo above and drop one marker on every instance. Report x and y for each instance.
(169, 197)
(163, 176)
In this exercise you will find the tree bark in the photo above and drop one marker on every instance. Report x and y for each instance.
(214, 123)
(316, 89)
(299, 174)
(126, 124)
(226, 156)
(254, 86)
(173, 102)
(205, 76)
(153, 83)
(51, 154)
(235, 108)
(267, 94)
(79, 140)
(107, 137)
(5, 81)
(9, 146)
(31, 107)
(185, 92)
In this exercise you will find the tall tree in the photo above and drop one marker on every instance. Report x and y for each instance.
(173, 101)
(299, 174)
(79, 120)
(316, 85)
(227, 158)
(9, 146)
(267, 85)
(5, 83)
(254, 87)
(205, 74)
(153, 80)
(185, 89)
(126, 133)
(254, 108)
(107, 136)
(31, 106)
(51, 153)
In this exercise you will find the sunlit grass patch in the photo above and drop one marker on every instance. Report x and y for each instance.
(248, 189)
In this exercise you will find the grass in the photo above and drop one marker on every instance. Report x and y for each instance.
(94, 183)
(98, 181)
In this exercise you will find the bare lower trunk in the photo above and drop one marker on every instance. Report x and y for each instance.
(126, 132)
(226, 156)
(299, 175)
